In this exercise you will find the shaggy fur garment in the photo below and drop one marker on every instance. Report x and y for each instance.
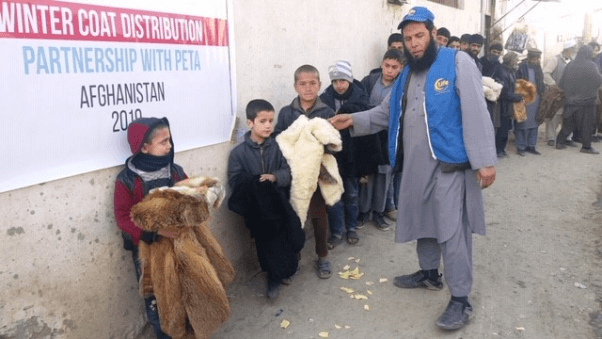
(302, 144)
(189, 274)
(528, 91)
(491, 89)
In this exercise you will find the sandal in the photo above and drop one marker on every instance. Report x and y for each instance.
(333, 241)
(352, 237)
(324, 271)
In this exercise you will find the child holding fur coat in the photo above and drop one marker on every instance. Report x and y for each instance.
(260, 178)
(151, 165)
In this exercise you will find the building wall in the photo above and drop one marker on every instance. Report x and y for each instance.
(64, 273)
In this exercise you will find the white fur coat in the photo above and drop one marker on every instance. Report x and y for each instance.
(302, 144)
(491, 89)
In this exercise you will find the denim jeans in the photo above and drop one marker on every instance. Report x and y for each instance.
(344, 213)
(150, 304)
(393, 192)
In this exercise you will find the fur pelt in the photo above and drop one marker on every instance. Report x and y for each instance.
(551, 101)
(491, 89)
(302, 144)
(188, 274)
(528, 91)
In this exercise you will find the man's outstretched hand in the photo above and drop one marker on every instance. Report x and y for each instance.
(341, 121)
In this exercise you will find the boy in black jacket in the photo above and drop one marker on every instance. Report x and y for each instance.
(260, 178)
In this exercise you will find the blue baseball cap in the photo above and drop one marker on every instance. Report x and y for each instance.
(417, 14)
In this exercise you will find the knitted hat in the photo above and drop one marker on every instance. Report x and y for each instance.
(496, 46)
(465, 38)
(340, 70)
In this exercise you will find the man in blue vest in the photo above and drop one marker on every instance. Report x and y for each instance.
(442, 139)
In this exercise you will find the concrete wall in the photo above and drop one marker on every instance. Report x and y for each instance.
(64, 273)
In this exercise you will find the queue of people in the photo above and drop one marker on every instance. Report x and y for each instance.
(413, 143)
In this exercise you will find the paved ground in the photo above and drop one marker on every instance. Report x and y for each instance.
(537, 272)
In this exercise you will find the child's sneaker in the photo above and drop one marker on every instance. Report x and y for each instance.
(289, 280)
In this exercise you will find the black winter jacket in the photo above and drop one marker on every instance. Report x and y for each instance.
(249, 158)
(360, 155)
(507, 78)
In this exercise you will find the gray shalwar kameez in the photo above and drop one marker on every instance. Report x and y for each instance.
(439, 208)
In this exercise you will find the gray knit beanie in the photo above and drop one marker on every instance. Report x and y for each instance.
(340, 70)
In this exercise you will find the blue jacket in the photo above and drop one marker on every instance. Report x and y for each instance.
(443, 115)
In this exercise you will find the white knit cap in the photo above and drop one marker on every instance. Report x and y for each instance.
(340, 70)
(569, 44)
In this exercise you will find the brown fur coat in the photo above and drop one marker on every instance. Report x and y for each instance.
(188, 275)
(529, 92)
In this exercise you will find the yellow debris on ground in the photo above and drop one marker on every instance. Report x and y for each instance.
(323, 334)
(360, 297)
(382, 280)
(347, 289)
(367, 308)
(337, 327)
(285, 323)
(355, 274)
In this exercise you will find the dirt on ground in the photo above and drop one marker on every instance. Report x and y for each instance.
(537, 272)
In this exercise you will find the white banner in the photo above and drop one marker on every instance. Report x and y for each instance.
(74, 74)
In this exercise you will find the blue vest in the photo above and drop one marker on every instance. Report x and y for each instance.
(443, 112)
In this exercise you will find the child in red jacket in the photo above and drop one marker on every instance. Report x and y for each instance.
(150, 166)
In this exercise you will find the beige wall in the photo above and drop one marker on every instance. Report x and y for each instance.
(64, 273)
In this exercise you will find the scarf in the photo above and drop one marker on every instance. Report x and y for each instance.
(154, 171)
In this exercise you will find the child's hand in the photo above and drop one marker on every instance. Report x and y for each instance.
(267, 177)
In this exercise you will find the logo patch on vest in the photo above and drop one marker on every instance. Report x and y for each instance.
(441, 85)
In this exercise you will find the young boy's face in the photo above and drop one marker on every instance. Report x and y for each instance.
(262, 126)
(160, 145)
(391, 69)
(307, 86)
(340, 86)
